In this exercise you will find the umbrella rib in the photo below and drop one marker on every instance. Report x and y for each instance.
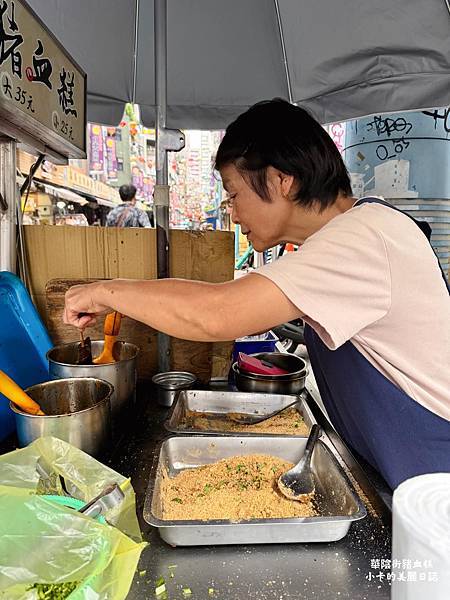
(135, 51)
(283, 50)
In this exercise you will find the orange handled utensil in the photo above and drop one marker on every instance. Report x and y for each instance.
(15, 393)
(111, 330)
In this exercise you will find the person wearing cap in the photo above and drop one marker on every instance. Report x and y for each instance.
(365, 280)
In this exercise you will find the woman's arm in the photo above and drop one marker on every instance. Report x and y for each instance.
(192, 310)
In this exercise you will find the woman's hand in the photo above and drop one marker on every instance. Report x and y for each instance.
(83, 303)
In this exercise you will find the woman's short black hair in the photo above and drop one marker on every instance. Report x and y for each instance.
(278, 134)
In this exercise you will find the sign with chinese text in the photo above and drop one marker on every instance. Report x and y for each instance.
(42, 90)
(96, 163)
(111, 154)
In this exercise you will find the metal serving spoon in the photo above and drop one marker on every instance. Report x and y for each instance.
(252, 418)
(110, 497)
(299, 482)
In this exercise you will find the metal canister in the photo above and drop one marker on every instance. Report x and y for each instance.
(169, 384)
(77, 410)
(121, 375)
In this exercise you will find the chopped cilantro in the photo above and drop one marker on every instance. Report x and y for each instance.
(54, 591)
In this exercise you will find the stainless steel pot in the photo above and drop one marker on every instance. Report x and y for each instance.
(295, 365)
(76, 411)
(121, 375)
(248, 382)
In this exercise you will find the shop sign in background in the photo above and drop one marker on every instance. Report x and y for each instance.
(95, 148)
(38, 78)
(111, 155)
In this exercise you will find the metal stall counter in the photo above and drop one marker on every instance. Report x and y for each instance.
(356, 567)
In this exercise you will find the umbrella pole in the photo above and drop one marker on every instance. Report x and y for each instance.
(166, 140)
(8, 200)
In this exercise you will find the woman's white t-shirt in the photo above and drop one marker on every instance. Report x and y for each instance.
(370, 276)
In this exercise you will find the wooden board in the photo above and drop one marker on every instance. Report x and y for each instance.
(62, 256)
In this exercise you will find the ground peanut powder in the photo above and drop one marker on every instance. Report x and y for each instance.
(236, 488)
(289, 422)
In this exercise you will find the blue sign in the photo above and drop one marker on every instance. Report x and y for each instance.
(400, 155)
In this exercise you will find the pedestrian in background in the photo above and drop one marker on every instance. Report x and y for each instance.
(127, 214)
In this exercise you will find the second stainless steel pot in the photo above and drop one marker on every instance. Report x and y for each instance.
(248, 382)
(76, 411)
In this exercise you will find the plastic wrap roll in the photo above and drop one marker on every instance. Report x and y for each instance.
(421, 538)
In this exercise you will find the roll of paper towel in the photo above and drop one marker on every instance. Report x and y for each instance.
(421, 538)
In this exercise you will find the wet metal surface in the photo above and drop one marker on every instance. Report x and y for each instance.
(324, 571)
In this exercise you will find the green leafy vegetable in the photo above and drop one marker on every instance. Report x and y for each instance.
(160, 586)
(54, 591)
(161, 589)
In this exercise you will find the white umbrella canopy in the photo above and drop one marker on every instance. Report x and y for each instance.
(345, 58)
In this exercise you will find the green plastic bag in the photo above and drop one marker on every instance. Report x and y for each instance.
(42, 542)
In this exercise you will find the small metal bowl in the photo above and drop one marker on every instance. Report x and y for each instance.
(168, 384)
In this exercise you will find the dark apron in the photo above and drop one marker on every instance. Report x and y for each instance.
(394, 433)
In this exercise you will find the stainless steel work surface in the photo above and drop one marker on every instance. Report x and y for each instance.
(215, 404)
(341, 570)
(337, 503)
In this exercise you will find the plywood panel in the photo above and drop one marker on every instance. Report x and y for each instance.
(62, 256)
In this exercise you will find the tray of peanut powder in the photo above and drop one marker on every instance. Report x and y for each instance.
(213, 490)
(207, 412)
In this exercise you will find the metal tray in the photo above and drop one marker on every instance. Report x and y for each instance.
(338, 503)
(219, 403)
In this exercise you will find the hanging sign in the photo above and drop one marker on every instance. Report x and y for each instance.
(96, 162)
(111, 154)
(42, 90)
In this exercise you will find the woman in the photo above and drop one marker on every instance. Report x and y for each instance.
(366, 281)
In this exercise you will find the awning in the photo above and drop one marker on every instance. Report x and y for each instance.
(104, 202)
(101, 201)
(64, 194)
